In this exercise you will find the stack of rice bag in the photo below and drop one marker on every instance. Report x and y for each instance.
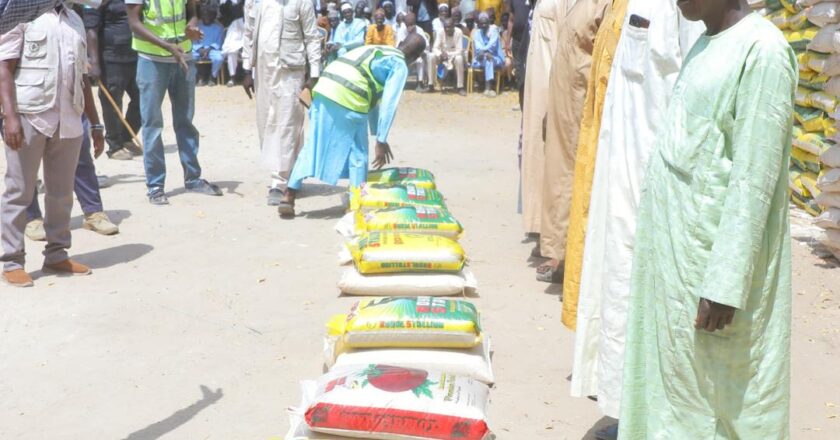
(813, 29)
(402, 239)
(405, 363)
(400, 368)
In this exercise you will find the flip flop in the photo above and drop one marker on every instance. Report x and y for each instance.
(286, 210)
(548, 274)
(608, 433)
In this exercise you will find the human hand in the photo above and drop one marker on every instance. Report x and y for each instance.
(248, 84)
(194, 33)
(12, 131)
(94, 73)
(310, 83)
(179, 56)
(713, 316)
(98, 137)
(383, 155)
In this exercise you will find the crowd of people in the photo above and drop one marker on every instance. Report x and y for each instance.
(656, 187)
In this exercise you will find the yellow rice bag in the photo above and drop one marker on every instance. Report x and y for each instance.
(402, 176)
(806, 203)
(383, 196)
(799, 39)
(804, 160)
(780, 18)
(417, 322)
(388, 252)
(811, 119)
(812, 80)
(809, 181)
(795, 182)
(814, 143)
(415, 219)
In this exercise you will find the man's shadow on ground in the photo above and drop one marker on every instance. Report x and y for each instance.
(178, 418)
(599, 425)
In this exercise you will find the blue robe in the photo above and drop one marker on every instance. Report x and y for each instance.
(337, 140)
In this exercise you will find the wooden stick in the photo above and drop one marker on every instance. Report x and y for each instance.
(117, 109)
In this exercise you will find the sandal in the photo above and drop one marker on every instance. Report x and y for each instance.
(547, 273)
(286, 209)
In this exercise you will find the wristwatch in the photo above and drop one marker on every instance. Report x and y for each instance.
(94, 127)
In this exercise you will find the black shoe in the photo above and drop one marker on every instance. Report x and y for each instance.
(275, 196)
(204, 187)
(158, 197)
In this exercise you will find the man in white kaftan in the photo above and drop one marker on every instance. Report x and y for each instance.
(281, 40)
(645, 68)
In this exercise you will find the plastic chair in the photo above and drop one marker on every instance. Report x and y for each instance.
(471, 71)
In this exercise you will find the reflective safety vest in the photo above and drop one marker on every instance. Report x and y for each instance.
(167, 19)
(349, 82)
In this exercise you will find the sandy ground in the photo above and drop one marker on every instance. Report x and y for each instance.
(201, 317)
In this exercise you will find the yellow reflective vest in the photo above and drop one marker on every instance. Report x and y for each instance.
(167, 19)
(349, 82)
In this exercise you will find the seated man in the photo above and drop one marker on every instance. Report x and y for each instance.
(209, 48)
(379, 33)
(348, 35)
(448, 51)
(409, 28)
(487, 47)
(232, 49)
(360, 90)
(390, 13)
(437, 23)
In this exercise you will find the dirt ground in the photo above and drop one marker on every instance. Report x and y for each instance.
(201, 317)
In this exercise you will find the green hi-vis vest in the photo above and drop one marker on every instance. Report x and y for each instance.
(167, 19)
(348, 81)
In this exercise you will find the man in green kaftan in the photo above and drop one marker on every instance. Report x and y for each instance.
(708, 336)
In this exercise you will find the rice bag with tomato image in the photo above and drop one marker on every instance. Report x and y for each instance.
(392, 403)
(402, 176)
(375, 196)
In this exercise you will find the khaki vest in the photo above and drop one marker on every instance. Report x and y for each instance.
(37, 75)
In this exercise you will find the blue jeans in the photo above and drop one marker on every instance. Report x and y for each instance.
(154, 79)
(86, 186)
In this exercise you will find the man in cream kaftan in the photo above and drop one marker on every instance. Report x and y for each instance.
(567, 87)
(281, 39)
(646, 65)
(713, 224)
(541, 51)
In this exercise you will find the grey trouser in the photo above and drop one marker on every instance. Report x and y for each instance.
(60, 158)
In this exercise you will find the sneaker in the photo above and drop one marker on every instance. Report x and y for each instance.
(462, 92)
(133, 148)
(275, 196)
(490, 93)
(68, 267)
(158, 197)
(200, 83)
(212, 82)
(121, 154)
(231, 83)
(35, 230)
(205, 187)
(18, 278)
(100, 223)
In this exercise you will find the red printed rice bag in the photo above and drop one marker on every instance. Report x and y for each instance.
(392, 403)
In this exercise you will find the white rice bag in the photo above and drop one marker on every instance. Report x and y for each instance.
(385, 402)
(829, 181)
(831, 156)
(469, 362)
(829, 219)
(408, 284)
(827, 40)
(828, 199)
(823, 14)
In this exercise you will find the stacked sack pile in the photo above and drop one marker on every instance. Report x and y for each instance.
(812, 27)
(403, 363)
